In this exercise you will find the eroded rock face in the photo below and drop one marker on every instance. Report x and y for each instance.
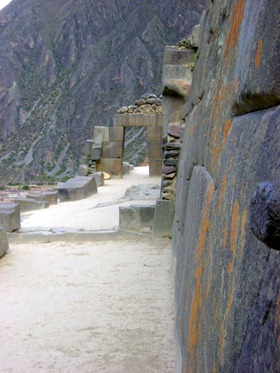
(227, 281)
(67, 66)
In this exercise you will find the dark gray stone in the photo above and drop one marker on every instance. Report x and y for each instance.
(95, 154)
(258, 64)
(173, 146)
(170, 162)
(136, 218)
(50, 196)
(30, 204)
(83, 170)
(77, 188)
(10, 216)
(99, 178)
(88, 147)
(265, 214)
(4, 244)
(142, 191)
(166, 170)
(227, 281)
(175, 130)
(171, 154)
(163, 218)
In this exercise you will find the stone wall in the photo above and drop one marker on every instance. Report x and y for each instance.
(227, 281)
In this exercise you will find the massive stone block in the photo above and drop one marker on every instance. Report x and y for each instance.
(48, 196)
(29, 204)
(77, 188)
(258, 65)
(154, 134)
(4, 244)
(10, 216)
(88, 147)
(227, 281)
(112, 149)
(155, 167)
(163, 218)
(155, 150)
(136, 218)
(113, 166)
(116, 134)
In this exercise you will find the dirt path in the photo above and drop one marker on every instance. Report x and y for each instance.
(91, 307)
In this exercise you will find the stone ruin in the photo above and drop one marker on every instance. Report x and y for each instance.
(105, 152)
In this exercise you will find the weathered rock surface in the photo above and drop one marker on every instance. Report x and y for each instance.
(227, 281)
(142, 191)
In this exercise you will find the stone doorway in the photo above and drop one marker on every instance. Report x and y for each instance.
(112, 145)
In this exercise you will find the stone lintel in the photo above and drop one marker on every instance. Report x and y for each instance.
(137, 120)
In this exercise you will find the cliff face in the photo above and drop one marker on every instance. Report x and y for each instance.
(68, 65)
(227, 282)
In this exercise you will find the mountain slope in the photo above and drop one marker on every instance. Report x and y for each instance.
(67, 65)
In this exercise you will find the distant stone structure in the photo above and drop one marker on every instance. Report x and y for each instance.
(105, 151)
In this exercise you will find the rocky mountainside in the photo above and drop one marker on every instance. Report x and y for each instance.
(68, 65)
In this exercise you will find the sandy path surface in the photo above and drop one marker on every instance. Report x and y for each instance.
(86, 214)
(103, 307)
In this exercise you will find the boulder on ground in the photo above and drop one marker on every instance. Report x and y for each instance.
(136, 218)
(10, 216)
(29, 204)
(78, 187)
(48, 196)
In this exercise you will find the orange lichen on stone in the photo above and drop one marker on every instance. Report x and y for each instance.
(225, 236)
(235, 223)
(191, 130)
(214, 369)
(222, 194)
(258, 54)
(227, 130)
(235, 23)
(235, 87)
(243, 225)
(223, 331)
(222, 97)
(195, 331)
(216, 317)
